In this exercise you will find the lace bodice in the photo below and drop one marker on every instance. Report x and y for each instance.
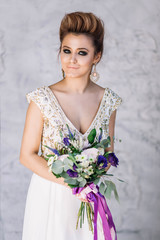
(55, 118)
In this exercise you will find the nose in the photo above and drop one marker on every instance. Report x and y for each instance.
(73, 58)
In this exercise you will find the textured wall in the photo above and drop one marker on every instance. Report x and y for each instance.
(130, 66)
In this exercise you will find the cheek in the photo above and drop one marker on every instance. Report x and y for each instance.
(85, 61)
(64, 57)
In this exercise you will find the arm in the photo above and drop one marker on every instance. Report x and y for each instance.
(111, 134)
(30, 145)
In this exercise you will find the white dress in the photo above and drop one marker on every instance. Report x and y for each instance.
(51, 209)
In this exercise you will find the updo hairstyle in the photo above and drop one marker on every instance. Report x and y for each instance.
(86, 23)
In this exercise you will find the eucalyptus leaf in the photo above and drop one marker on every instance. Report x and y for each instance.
(105, 142)
(79, 179)
(57, 167)
(65, 175)
(67, 161)
(96, 181)
(109, 174)
(111, 187)
(120, 180)
(102, 188)
(107, 192)
(66, 167)
(83, 183)
(98, 145)
(71, 181)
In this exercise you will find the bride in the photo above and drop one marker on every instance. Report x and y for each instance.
(51, 208)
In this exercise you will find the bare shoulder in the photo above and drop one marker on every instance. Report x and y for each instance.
(98, 90)
(57, 87)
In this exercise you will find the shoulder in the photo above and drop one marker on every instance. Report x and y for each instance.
(113, 99)
(36, 94)
(112, 94)
(40, 98)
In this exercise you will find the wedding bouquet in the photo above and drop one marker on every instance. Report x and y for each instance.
(82, 169)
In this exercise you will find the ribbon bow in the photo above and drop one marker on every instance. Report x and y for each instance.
(92, 194)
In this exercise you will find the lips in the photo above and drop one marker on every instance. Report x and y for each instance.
(73, 67)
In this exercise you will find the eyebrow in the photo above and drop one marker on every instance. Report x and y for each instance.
(78, 48)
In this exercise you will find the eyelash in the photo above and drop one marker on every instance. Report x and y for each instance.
(84, 53)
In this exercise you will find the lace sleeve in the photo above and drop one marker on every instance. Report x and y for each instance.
(37, 96)
(115, 101)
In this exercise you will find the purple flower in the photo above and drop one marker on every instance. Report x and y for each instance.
(74, 166)
(100, 136)
(113, 159)
(71, 173)
(66, 141)
(102, 159)
(69, 131)
(53, 150)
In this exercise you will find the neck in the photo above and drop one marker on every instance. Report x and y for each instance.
(77, 85)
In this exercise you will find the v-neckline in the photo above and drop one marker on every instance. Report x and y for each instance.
(63, 113)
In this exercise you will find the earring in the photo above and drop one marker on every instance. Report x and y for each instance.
(94, 76)
(63, 73)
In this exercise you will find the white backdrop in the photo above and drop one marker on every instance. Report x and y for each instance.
(29, 45)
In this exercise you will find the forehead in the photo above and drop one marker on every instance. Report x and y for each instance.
(77, 41)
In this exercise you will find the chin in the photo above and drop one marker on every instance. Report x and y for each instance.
(73, 75)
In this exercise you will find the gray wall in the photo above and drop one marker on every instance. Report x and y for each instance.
(130, 66)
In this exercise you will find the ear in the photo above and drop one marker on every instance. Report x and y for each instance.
(97, 58)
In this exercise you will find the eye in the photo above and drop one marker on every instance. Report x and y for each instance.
(83, 53)
(66, 51)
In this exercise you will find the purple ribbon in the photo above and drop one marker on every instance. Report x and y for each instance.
(100, 205)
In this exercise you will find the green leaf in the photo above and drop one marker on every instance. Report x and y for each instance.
(57, 175)
(57, 167)
(96, 181)
(106, 142)
(98, 145)
(109, 174)
(102, 188)
(68, 161)
(80, 179)
(71, 181)
(120, 180)
(66, 167)
(111, 187)
(71, 157)
(92, 135)
(107, 192)
(83, 183)
(65, 175)
(67, 164)
(50, 155)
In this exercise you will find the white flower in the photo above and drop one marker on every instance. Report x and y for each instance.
(89, 170)
(101, 151)
(84, 164)
(91, 153)
(91, 159)
(51, 160)
(82, 158)
(80, 142)
(74, 143)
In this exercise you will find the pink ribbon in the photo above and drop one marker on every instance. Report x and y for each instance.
(92, 194)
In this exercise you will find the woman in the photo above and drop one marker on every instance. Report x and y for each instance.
(51, 208)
